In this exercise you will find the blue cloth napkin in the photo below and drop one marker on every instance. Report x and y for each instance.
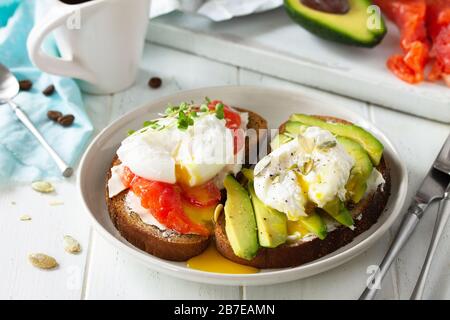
(22, 159)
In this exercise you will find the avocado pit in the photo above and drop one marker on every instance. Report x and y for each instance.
(328, 6)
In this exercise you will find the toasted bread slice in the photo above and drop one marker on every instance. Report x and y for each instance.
(294, 254)
(163, 244)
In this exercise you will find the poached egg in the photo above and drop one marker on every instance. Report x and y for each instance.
(312, 167)
(191, 157)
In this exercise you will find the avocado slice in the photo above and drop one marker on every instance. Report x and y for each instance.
(295, 127)
(278, 140)
(361, 171)
(240, 224)
(272, 224)
(350, 28)
(372, 145)
(248, 173)
(339, 212)
(315, 224)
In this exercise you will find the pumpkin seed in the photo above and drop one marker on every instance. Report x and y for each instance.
(276, 179)
(218, 211)
(42, 261)
(42, 186)
(262, 165)
(306, 167)
(325, 146)
(290, 135)
(71, 245)
(56, 203)
(25, 217)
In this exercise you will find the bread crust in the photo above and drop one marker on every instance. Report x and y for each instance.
(295, 254)
(163, 244)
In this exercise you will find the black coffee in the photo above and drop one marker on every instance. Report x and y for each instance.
(74, 1)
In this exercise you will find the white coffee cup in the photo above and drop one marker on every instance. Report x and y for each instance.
(100, 42)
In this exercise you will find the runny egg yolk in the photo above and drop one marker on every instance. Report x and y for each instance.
(212, 261)
(301, 172)
(196, 174)
(182, 174)
(200, 215)
(304, 193)
(296, 226)
(302, 183)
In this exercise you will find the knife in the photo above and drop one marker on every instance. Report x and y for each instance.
(432, 188)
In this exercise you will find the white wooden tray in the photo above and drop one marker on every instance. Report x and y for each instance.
(271, 43)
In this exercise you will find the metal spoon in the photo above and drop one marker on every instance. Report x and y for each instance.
(9, 88)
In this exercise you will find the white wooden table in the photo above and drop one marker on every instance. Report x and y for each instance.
(102, 272)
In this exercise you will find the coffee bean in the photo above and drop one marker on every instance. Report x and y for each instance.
(54, 115)
(49, 90)
(155, 82)
(66, 121)
(25, 85)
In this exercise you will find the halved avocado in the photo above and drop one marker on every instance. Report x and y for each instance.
(354, 27)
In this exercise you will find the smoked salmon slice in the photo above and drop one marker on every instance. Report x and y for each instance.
(410, 18)
(438, 25)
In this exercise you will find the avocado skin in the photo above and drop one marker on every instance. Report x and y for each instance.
(240, 223)
(324, 31)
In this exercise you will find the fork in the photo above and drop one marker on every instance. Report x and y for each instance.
(442, 164)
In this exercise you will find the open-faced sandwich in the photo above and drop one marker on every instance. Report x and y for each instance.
(166, 180)
(182, 181)
(325, 182)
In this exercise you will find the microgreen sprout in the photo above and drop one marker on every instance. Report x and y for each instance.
(183, 106)
(185, 113)
(149, 123)
(171, 109)
(219, 111)
(184, 120)
(193, 114)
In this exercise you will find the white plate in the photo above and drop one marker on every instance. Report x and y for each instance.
(275, 106)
